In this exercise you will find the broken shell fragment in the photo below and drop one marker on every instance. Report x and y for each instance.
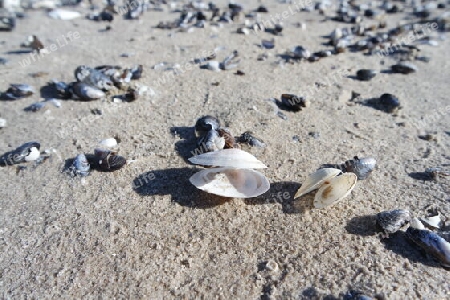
(230, 141)
(248, 138)
(107, 161)
(231, 182)
(109, 143)
(362, 167)
(80, 166)
(392, 220)
(335, 190)
(27, 152)
(2, 123)
(387, 103)
(86, 92)
(93, 77)
(212, 141)
(316, 179)
(16, 91)
(365, 74)
(433, 221)
(205, 124)
(431, 242)
(404, 68)
(294, 102)
(35, 106)
(233, 158)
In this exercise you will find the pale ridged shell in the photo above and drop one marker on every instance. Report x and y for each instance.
(231, 182)
(233, 158)
(335, 190)
(315, 180)
(86, 92)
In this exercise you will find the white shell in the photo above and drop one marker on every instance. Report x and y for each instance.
(231, 182)
(34, 154)
(415, 223)
(233, 158)
(335, 190)
(433, 221)
(62, 14)
(109, 143)
(315, 180)
(2, 123)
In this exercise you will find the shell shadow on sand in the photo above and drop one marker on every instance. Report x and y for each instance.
(187, 146)
(283, 192)
(402, 245)
(175, 182)
(362, 225)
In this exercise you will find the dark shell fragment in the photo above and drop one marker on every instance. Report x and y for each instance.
(20, 154)
(107, 161)
(205, 124)
(392, 220)
(248, 138)
(365, 74)
(293, 102)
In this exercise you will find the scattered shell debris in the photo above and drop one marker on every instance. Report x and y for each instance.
(25, 153)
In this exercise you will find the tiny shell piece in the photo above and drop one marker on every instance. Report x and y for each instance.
(108, 161)
(335, 190)
(234, 158)
(81, 165)
(431, 242)
(86, 92)
(231, 182)
(2, 123)
(316, 179)
(27, 152)
(392, 220)
(404, 68)
(109, 143)
(62, 14)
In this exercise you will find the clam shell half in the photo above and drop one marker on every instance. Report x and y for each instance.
(231, 182)
(335, 190)
(233, 158)
(316, 179)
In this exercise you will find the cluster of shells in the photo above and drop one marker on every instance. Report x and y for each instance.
(425, 231)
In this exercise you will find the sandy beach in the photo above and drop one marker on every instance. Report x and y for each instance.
(145, 232)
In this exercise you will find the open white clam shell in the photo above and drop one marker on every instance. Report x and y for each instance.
(316, 179)
(233, 158)
(335, 190)
(231, 182)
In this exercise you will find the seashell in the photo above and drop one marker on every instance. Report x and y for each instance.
(230, 142)
(316, 179)
(335, 190)
(107, 161)
(298, 52)
(294, 102)
(434, 221)
(34, 43)
(248, 138)
(54, 101)
(435, 173)
(212, 65)
(266, 44)
(243, 30)
(229, 62)
(233, 158)
(431, 242)
(93, 77)
(404, 68)
(205, 124)
(16, 91)
(109, 143)
(392, 220)
(365, 74)
(2, 123)
(212, 141)
(64, 90)
(7, 21)
(65, 15)
(136, 72)
(231, 182)
(86, 92)
(81, 166)
(362, 167)
(27, 152)
(35, 106)
(387, 103)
